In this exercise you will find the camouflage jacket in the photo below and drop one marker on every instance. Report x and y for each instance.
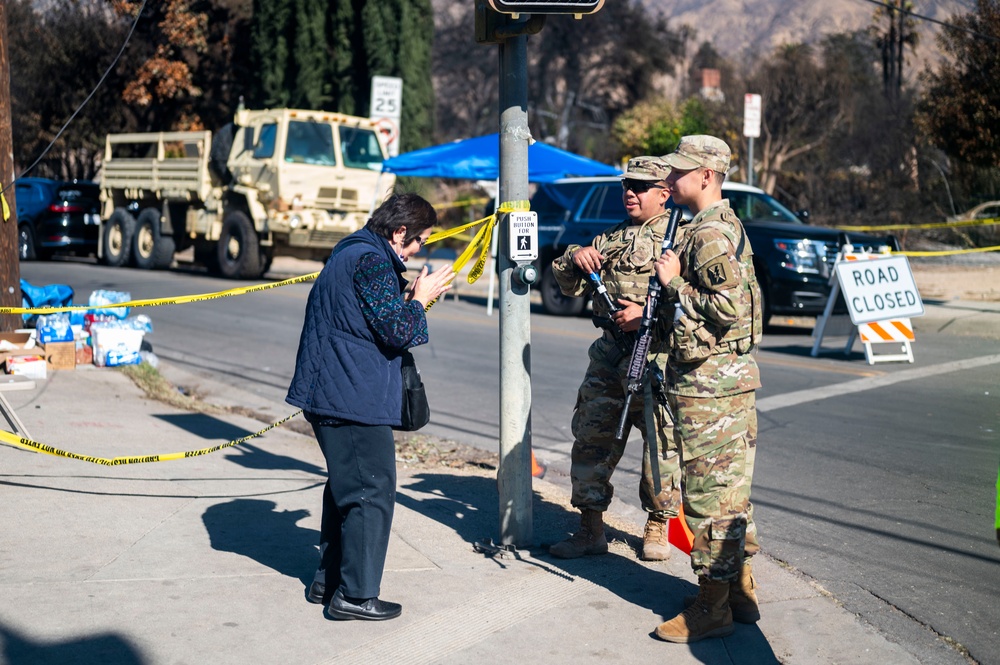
(716, 306)
(629, 252)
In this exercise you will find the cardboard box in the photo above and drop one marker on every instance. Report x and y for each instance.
(61, 355)
(32, 367)
(16, 345)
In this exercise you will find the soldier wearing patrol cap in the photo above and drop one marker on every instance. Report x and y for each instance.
(711, 293)
(623, 256)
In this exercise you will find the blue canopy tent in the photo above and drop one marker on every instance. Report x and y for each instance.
(479, 159)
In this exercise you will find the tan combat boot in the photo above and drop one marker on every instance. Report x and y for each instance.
(709, 616)
(655, 546)
(588, 540)
(743, 598)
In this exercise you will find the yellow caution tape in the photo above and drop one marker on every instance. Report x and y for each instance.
(480, 242)
(462, 204)
(28, 444)
(155, 302)
(949, 252)
(936, 225)
(6, 208)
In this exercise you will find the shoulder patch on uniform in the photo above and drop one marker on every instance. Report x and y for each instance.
(718, 274)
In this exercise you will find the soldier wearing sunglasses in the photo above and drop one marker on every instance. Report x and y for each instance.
(623, 256)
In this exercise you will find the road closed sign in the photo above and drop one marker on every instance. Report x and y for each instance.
(879, 288)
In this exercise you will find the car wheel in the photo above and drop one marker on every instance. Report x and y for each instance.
(26, 243)
(238, 249)
(150, 249)
(554, 301)
(118, 234)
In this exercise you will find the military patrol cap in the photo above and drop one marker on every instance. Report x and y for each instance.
(700, 150)
(650, 169)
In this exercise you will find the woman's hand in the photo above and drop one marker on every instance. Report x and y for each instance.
(429, 285)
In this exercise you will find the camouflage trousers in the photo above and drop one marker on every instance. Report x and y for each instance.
(596, 450)
(719, 436)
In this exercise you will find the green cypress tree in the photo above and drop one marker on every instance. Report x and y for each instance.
(270, 53)
(311, 56)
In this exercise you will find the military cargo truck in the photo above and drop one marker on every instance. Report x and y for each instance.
(278, 182)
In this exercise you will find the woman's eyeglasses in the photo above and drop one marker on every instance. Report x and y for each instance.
(639, 186)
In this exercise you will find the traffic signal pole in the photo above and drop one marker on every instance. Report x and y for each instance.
(514, 473)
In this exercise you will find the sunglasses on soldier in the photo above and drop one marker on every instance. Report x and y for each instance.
(639, 186)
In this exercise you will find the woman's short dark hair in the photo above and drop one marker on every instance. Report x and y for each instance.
(409, 210)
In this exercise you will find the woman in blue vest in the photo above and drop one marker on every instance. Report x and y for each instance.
(347, 379)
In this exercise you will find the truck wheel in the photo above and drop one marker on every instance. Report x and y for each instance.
(26, 243)
(553, 300)
(238, 249)
(118, 232)
(151, 250)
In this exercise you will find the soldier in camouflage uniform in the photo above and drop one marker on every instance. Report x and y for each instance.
(623, 256)
(711, 293)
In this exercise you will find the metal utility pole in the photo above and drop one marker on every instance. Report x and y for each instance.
(514, 474)
(508, 24)
(10, 269)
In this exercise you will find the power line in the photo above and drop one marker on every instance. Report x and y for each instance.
(84, 103)
(934, 20)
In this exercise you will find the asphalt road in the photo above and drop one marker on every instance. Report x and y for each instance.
(878, 482)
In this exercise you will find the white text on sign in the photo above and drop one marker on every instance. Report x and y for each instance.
(878, 289)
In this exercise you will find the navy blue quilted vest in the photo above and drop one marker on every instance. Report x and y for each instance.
(341, 371)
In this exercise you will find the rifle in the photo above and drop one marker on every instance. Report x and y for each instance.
(637, 366)
(623, 340)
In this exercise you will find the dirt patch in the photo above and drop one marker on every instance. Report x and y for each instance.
(957, 282)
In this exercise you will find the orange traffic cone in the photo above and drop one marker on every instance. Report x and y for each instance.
(537, 469)
(678, 533)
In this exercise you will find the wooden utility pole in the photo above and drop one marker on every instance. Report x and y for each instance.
(10, 269)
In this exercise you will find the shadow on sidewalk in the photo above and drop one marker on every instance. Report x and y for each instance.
(468, 504)
(254, 529)
(18, 649)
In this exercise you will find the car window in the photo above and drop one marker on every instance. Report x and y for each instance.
(604, 204)
(76, 193)
(759, 207)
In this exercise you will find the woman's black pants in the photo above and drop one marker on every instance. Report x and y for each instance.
(358, 502)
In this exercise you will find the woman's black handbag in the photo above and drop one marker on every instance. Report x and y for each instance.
(416, 412)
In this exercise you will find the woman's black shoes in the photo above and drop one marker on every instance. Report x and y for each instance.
(315, 592)
(369, 609)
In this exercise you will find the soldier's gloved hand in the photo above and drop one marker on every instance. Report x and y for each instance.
(629, 316)
(588, 260)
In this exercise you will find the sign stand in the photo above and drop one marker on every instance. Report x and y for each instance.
(16, 426)
(878, 288)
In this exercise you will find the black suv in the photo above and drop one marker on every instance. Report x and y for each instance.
(56, 216)
(793, 260)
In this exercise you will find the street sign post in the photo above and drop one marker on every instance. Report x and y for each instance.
(751, 128)
(386, 109)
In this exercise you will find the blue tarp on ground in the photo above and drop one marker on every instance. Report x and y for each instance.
(478, 159)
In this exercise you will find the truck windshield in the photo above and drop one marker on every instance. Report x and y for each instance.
(360, 148)
(310, 143)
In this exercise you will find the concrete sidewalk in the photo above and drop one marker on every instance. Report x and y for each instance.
(206, 559)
